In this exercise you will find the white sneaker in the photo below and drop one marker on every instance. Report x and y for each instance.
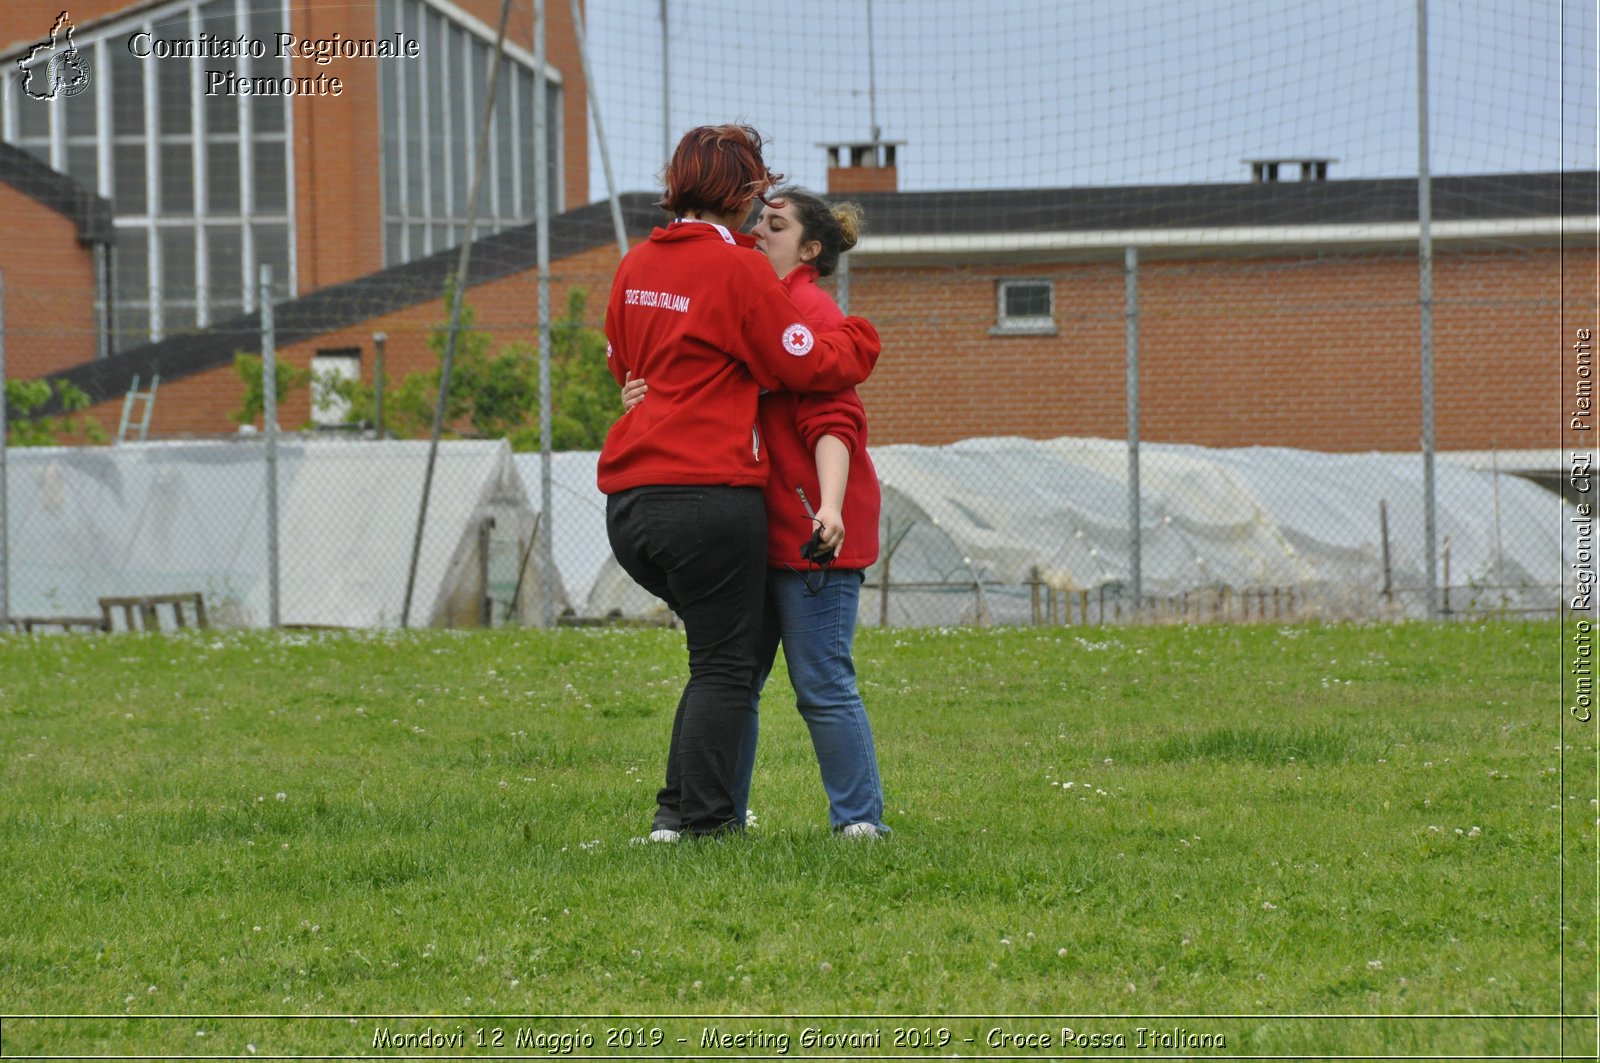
(664, 835)
(861, 830)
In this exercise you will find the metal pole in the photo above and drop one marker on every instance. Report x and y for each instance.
(547, 590)
(269, 425)
(594, 111)
(1425, 298)
(1383, 530)
(103, 300)
(5, 494)
(460, 286)
(1131, 278)
(872, 87)
(844, 283)
(666, 88)
(1499, 545)
(380, 345)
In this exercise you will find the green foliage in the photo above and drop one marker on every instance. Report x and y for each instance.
(249, 367)
(1229, 822)
(586, 400)
(24, 430)
(496, 395)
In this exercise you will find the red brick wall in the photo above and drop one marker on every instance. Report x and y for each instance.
(337, 146)
(49, 288)
(1315, 352)
(849, 180)
(29, 21)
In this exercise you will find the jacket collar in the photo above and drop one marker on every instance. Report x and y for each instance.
(803, 273)
(695, 229)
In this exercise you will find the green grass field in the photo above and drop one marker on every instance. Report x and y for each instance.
(1341, 840)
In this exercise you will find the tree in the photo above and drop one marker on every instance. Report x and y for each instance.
(494, 396)
(24, 430)
(585, 400)
(253, 405)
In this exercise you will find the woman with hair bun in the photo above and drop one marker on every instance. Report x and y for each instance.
(708, 323)
(820, 482)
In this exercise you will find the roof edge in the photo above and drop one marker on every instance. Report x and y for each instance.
(61, 193)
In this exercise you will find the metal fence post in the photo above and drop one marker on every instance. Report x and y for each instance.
(269, 425)
(380, 342)
(5, 494)
(541, 207)
(1131, 273)
(1430, 518)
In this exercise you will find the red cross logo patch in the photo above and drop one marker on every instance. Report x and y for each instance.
(797, 340)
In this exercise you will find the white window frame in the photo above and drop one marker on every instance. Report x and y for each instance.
(409, 227)
(1033, 325)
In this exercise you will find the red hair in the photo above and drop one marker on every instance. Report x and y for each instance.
(717, 169)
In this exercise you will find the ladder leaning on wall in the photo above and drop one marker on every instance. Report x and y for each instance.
(149, 399)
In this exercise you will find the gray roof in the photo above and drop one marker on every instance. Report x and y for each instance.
(35, 179)
(1277, 203)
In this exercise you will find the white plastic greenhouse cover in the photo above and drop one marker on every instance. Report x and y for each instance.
(966, 526)
(162, 518)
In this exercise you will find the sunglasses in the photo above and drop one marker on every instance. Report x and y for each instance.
(819, 559)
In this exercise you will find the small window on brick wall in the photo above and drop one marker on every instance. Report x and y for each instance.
(1026, 308)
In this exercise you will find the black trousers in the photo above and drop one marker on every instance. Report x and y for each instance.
(702, 550)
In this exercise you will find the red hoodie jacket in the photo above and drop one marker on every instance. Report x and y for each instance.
(698, 313)
(791, 425)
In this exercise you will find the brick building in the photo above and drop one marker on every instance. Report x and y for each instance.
(325, 140)
(1282, 313)
(57, 236)
(1268, 314)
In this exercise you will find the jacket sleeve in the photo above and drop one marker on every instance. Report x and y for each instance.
(782, 351)
(839, 414)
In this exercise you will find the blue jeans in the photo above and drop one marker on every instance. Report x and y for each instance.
(818, 633)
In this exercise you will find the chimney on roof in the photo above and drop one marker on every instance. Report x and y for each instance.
(1263, 171)
(862, 166)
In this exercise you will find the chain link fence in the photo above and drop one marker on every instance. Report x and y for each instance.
(1168, 348)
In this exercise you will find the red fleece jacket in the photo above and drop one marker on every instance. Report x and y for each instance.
(698, 313)
(791, 425)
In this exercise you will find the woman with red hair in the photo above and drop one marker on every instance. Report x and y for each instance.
(696, 311)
